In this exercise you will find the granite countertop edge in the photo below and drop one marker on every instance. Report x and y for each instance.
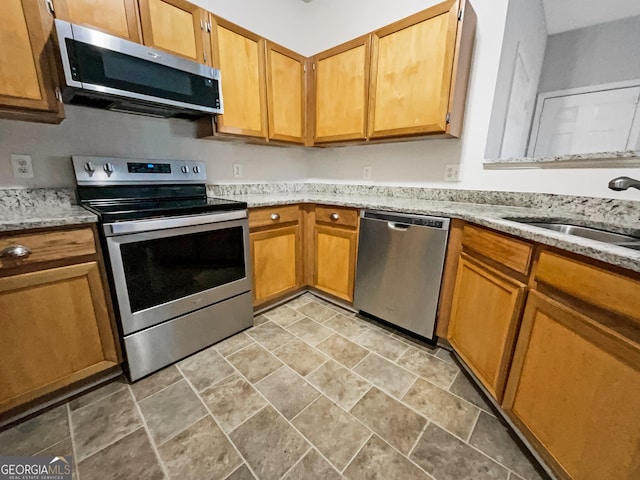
(32, 218)
(492, 216)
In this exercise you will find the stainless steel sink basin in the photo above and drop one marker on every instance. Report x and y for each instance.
(628, 241)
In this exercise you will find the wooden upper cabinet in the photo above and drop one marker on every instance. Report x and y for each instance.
(27, 80)
(240, 56)
(574, 390)
(115, 17)
(175, 26)
(341, 90)
(286, 94)
(419, 66)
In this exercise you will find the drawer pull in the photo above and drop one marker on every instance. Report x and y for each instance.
(334, 216)
(275, 216)
(15, 251)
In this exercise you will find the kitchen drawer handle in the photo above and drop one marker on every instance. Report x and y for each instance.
(275, 216)
(15, 251)
(334, 216)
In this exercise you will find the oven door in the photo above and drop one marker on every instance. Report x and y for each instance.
(164, 268)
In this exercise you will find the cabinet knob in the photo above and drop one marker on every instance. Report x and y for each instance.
(334, 216)
(15, 251)
(275, 216)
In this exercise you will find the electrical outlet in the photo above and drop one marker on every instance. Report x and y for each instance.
(237, 170)
(452, 173)
(22, 166)
(366, 173)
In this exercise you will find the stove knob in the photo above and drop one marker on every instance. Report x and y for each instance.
(196, 169)
(89, 167)
(184, 169)
(108, 167)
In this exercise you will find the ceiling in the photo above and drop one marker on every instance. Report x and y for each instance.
(564, 15)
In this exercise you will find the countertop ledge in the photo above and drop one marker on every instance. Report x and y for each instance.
(491, 216)
(25, 218)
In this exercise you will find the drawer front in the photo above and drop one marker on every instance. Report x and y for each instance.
(345, 217)
(264, 217)
(510, 252)
(594, 285)
(45, 247)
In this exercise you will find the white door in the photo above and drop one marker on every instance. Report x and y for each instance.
(599, 121)
(518, 119)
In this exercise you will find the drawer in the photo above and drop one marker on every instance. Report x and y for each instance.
(594, 285)
(264, 217)
(346, 217)
(510, 252)
(48, 246)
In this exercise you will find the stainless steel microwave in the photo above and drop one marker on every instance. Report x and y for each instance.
(111, 73)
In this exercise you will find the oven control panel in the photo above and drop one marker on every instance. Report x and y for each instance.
(99, 171)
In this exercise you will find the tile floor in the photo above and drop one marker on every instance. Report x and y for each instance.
(311, 392)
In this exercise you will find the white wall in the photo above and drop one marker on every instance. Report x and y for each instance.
(88, 131)
(525, 30)
(604, 53)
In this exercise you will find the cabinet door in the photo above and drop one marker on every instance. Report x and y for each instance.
(574, 388)
(341, 92)
(411, 70)
(335, 262)
(276, 258)
(484, 321)
(26, 71)
(285, 94)
(55, 331)
(115, 17)
(175, 26)
(240, 56)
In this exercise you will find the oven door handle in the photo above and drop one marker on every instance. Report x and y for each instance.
(140, 226)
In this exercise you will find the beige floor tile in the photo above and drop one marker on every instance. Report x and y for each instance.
(270, 335)
(339, 384)
(36, 434)
(286, 391)
(385, 375)
(309, 331)
(312, 467)
(416, 342)
(232, 401)
(130, 457)
(447, 458)
(463, 387)
(241, 473)
(317, 312)
(300, 356)
(200, 451)
(427, 366)
(342, 350)
(446, 355)
(254, 362)
(347, 326)
(156, 382)
(269, 444)
(335, 433)
(259, 320)
(103, 422)
(234, 343)
(455, 415)
(394, 422)
(382, 344)
(284, 315)
(171, 410)
(205, 368)
(105, 390)
(300, 301)
(378, 461)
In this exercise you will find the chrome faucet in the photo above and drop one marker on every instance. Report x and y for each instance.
(622, 183)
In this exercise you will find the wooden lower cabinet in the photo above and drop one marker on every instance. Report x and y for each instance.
(484, 320)
(56, 330)
(574, 389)
(335, 260)
(276, 262)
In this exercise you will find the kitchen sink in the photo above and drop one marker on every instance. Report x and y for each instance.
(612, 238)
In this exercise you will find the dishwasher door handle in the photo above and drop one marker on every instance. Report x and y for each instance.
(399, 227)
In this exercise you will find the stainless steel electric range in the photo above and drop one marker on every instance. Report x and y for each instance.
(178, 261)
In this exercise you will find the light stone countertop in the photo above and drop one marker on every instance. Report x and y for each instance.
(492, 216)
(23, 218)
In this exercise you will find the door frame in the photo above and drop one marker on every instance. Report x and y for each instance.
(542, 97)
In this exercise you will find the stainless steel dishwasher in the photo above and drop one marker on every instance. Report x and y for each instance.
(399, 270)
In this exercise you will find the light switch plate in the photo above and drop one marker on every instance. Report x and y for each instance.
(237, 170)
(22, 166)
(366, 173)
(452, 173)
